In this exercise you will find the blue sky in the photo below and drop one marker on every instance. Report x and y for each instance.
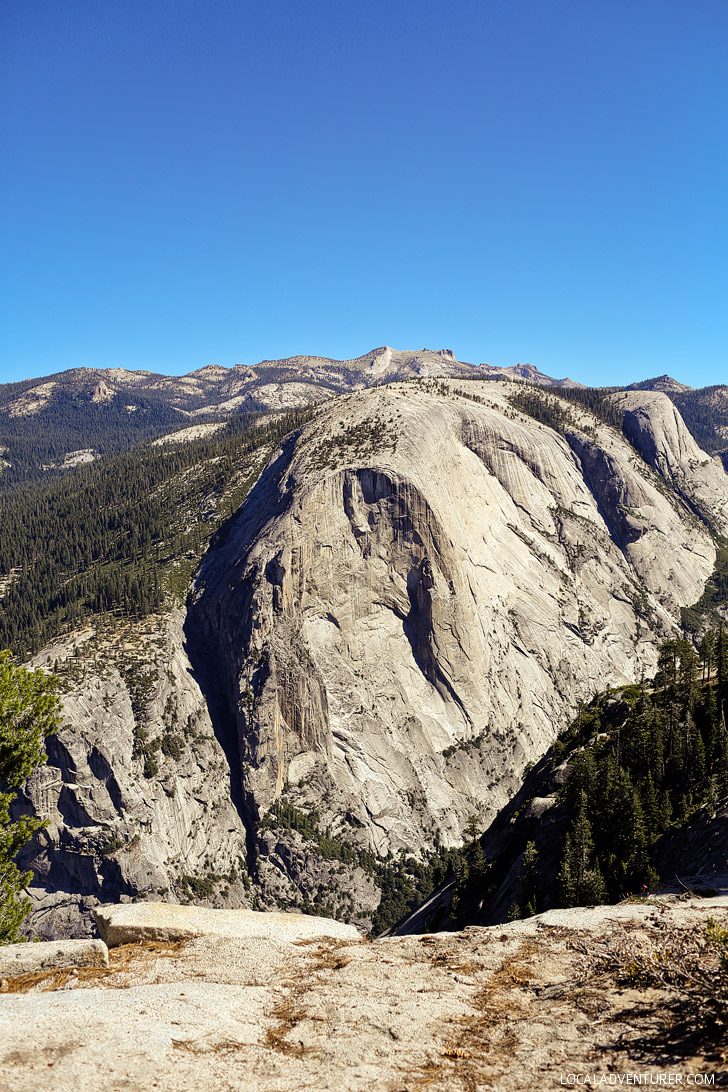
(189, 182)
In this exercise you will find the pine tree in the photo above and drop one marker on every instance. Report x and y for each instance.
(529, 888)
(462, 873)
(694, 751)
(28, 713)
(721, 663)
(580, 880)
(650, 808)
(478, 862)
(707, 651)
(688, 677)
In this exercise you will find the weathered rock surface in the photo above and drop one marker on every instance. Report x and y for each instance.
(158, 921)
(655, 427)
(510, 1007)
(418, 592)
(50, 954)
(112, 831)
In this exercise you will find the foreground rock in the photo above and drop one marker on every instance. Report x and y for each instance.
(501, 1008)
(155, 921)
(49, 955)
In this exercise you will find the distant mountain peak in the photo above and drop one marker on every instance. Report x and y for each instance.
(660, 383)
(530, 374)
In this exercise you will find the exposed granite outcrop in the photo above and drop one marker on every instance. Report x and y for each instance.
(162, 922)
(419, 591)
(113, 832)
(521, 1005)
(409, 606)
(654, 425)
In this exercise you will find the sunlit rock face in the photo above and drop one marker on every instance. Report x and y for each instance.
(655, 427)
(115, 829)
(410, 605)
(421, 588)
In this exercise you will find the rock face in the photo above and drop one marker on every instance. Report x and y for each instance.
(655, 427)
(112, 831)
(418, 592)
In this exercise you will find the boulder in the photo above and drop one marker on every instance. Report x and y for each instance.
(50, 955)
(142, 921)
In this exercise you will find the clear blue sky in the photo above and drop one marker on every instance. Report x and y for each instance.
(187, 182)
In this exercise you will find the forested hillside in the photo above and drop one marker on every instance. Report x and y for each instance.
(71, 422)
(636, 765)
(120, 535)
(705, 412)
(550, 409)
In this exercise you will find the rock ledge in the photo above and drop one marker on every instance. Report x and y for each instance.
(52, 954)
(131, 923)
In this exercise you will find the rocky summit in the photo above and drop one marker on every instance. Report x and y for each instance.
(424, 582)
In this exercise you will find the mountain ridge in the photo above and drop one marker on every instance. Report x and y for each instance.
(420, 587)
(46, 422)
(217, 388)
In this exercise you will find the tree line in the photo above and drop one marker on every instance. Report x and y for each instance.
(636, 764)
(102, 536)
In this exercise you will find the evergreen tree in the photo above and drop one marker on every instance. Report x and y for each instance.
(529, 880)
(707, 651)
(650, 807)
(28, 713)
(721, 663)
(580, 880)
(687, 676)
(462, 873)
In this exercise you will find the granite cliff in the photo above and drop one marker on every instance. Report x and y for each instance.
(416, 594)
(420, 589)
